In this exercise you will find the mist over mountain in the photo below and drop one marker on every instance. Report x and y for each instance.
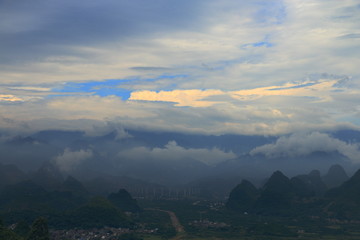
(335, 176)
(171, 159)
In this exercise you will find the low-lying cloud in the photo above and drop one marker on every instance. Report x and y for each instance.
(173, 152)
(107, 128)
(69, 160)
(301, 144)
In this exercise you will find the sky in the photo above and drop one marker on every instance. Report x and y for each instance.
(253, 67)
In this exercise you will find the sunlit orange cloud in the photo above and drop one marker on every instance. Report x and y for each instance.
(194, 97)
(191, 98)
(316, 90)
(9, 98)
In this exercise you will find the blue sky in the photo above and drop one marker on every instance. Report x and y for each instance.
(111, 87)
(250, 67)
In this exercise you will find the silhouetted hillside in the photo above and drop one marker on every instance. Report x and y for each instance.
(349, 190)
(48, 176)
(279, 196)
(276, 194)
(313, 182)
(74, 186)
(242, 197)
(123, 200)
(10, 174)
(335, 176)
(345, 199)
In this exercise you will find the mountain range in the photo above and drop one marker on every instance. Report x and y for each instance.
(165, 158)
(300, 195)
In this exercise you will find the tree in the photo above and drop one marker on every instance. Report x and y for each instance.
(22, 229)
(39, 230)
(7, 233)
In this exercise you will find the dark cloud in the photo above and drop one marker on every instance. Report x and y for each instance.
(41, 28)
(152, 68)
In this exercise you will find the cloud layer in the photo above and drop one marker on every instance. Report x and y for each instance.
(69, 159)
(173, 152)
(299, 145)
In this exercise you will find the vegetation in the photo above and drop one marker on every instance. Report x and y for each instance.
(123, 200)
(282, 209)
(7, 234)
(22, 229)
(98, 213)
(39, 230)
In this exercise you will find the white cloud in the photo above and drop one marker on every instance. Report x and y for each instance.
(302, 144)
(173, 152)
(269, 115)
(9, 98)
(69, 160)
(31, 88)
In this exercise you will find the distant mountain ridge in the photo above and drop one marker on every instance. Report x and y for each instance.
(11, 174)
(315, 182)
(242, 197)
(66, 205)
(335, 176)
(303, 193)
(349, 190)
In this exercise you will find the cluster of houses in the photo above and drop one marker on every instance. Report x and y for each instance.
(106, 233)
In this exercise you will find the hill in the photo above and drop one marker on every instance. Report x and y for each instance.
(242, 197)
(335, 176)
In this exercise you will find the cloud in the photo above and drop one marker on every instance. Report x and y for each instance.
(321, 89)
(22, 93)
(68, 23)
(31, 88)
(181, 97)
(249, 67)
(9, 98)
(111, 39)
(350, 35)
(160, 69)
(69, 159)
(269, 115)
(173, 152)
(101, 129)
(302, 144)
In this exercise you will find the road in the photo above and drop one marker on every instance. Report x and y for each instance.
(174, 221)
